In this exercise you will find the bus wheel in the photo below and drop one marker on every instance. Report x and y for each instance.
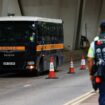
(40, 68)
(56, 63)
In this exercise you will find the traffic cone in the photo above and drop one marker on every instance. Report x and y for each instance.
(52, 74)
(71, 68)
(83, 63)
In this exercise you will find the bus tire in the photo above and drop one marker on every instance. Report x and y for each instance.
(56, 63)
(40, 67)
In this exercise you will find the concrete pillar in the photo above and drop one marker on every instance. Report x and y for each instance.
(102, 12)
(91, 18)
(0, 6)
(10, 7)
(81, 10)
(69, 14)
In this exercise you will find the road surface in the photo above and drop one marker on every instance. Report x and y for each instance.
(22, 90)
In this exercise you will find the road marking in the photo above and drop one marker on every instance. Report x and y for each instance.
(81, 98)
(27, 85)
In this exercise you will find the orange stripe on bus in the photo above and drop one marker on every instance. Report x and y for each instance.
(49, 47)
(59, 46)
(19, 48)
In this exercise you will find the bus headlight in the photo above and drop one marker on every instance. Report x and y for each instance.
(30, 65)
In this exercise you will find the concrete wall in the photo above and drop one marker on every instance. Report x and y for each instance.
(102, 12)
(0, 7)
(43, 8)
(69, 13)
(91, 18)
(10, 6)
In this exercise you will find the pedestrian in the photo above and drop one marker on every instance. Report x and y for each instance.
(96, 62)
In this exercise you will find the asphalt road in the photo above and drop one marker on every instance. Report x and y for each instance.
(22, 90)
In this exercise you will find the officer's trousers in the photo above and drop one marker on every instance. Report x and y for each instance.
(102, 93)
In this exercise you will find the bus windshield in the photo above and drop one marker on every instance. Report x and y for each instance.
(17, 31)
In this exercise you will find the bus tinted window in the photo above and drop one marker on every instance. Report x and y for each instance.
(50, 32)
(16, 30)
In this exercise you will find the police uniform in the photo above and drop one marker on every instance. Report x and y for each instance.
(97, 52)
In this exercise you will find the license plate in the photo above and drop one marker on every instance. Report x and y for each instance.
(9, 63)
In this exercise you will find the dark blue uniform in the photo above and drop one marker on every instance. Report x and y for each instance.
(100, 62)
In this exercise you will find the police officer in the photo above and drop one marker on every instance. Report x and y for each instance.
(96, 56)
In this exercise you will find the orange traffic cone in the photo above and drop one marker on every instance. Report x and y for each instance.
(83, 63)
(71, 69)
(51, 74)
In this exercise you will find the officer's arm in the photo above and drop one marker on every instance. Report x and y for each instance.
(90, 63)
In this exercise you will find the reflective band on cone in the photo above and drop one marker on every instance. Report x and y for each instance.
(71, 69)
(83, 63)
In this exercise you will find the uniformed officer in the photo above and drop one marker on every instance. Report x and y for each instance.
(96, 56)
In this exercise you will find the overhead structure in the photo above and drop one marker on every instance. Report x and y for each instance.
(10, 7)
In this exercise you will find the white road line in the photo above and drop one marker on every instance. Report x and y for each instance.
(79, 101)
(81, 98)
(27, 85)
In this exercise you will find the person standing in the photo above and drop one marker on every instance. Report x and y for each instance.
(96, 62)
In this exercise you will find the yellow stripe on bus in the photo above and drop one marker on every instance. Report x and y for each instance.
(20, 48)
(13, 48)
(49, 47)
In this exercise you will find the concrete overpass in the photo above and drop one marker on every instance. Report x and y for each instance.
(81, 17)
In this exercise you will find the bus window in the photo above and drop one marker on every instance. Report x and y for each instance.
(16, 31)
